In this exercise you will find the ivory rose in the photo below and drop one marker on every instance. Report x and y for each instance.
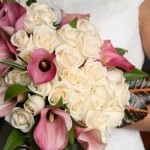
(45, 37)
(76, 106)
(20, 39)
(17, 76)
(38, 14)
(69, 35)
(59, 91)
(89, 45)
(68, 57)
(95, 72)
(75, 79)
(20, 119)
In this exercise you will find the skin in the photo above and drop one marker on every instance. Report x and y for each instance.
(144, 20)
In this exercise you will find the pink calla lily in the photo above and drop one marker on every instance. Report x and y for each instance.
(67, 18)
(51, 134)
(41, 68)
(10, 19)
(7, 51)
(110, 58)
(5, 107)
(89, 139)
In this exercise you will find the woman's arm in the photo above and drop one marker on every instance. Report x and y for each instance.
(144, 20)
(143, 125)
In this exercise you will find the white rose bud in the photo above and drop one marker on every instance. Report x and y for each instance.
(115, 75)
(45, 37)
(41, 89)
(68, 57)
(19, 39)
(34, 104)
(20, 119)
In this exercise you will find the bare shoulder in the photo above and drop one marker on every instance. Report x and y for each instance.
(144, 20)
(145, 11)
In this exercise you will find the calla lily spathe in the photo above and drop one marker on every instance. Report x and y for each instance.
(10, 19)
(110, 58)
(52, 134)
(89, 139)
(41, 68)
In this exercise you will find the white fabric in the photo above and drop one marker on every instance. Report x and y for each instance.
(117, 20)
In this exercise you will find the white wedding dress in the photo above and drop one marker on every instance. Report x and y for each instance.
(116, 20)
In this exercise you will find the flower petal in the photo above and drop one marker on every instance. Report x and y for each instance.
(34, 70)
(64, 116)
(67, 18)
(90, 140)
(110, 58)
(5, 53)
(7, 107)
(13, 9)
(50, 135)
(19, 23)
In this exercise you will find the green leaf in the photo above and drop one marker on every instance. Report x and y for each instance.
(75, 123)
(15, 139)
(121, 51)
(135, 74)
(15, 90)
(29, 2)
(71, 136)
(13, 64)
(75, 146)
(73, 23)
(59, 103)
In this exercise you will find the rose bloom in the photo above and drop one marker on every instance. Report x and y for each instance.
(34, 104)
(20, 119)
(85, 26)
(76, 105)
(41, 89)
(68, 57)
(26, 51)
(17, 76)
(95, 72)
(75, 79)
(59, 91)
(45, 37)
(69, 35)
(90, 45)
(38, 14)
(20, 38)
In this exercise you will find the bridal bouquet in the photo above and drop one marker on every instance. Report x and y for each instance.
(61, 85)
